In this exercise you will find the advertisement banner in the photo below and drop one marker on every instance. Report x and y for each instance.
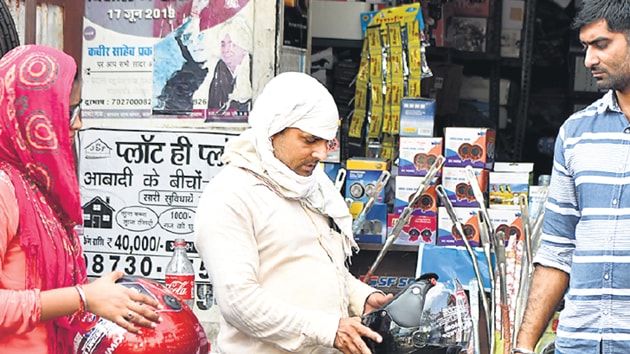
(139, 192)
(168, 59)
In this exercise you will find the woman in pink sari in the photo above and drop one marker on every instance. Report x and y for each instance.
(43, 282)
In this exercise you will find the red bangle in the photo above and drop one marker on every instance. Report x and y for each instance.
(83, 303)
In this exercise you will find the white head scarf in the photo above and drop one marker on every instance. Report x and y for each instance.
(293, 100)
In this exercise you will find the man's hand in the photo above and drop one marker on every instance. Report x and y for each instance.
(375, 301)
(349, 333)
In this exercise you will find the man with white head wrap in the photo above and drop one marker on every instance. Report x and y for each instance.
(274, 233)
(231, 86)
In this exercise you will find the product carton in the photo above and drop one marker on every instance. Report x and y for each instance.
(508, 221)
(362, 175)
(417, 155)
(417, 117)
(508, 182)
(406, 187)
(457, 188)
(469, 147)
(419, 229)
(447, 235)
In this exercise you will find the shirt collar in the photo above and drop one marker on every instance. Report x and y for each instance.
(609, 102)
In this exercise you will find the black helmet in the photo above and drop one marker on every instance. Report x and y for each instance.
(425, 317)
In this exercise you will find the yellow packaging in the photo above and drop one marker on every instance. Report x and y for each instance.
(368, 164)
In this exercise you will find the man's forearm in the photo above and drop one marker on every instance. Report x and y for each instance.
(547, 290)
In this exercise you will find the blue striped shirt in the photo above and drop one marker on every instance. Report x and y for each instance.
(586, 230)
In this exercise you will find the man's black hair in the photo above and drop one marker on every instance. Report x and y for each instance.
(615, 12)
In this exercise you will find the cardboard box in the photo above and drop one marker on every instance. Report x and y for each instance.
(362, 175)
(369, 164)
(469, 146)
(508, 221)
(416, 155)
(420, 229)
(444, 87)
(447, 236)
(417, 117)
(406, 187)
(457, 188)
(508, 182)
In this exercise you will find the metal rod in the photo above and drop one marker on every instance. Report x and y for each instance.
(450, 210)
(405, 215)
(358, 222)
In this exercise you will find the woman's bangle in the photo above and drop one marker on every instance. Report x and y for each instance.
(522, 351)
(83, 305)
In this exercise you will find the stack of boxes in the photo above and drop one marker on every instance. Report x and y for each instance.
(464, 147)
(501, 183)
(418, 150)
(508, 183)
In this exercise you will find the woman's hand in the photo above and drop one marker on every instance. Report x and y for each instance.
(121, 305)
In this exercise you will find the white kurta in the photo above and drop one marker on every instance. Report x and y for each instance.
(277, 269)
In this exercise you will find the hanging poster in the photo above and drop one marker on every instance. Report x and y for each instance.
(296, 23)
(139, 191)
(168, 59)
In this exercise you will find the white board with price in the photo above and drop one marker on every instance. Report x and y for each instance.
(139, 191)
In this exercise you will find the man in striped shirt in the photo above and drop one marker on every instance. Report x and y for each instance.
(584, 257)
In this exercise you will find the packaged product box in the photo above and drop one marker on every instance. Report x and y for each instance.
(362, 175)
(508, 182)
(416, 155)
(417, 117)
(374, 227)
(447, 234)
(406, 187)
(458, 189)
(465, 146)
(508, 221)
(419, 229)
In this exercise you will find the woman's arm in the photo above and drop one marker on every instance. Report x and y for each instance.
(104, 298)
